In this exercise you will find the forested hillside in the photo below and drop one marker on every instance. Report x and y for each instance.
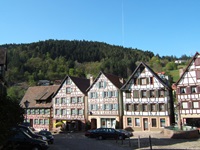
(54, 59)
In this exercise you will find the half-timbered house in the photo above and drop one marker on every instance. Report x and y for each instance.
(40, 109)
(3, 68)
(147, 100)
(188, 93)
(69, 103)
(105, 101)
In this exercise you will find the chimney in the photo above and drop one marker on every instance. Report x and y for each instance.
(91, 80)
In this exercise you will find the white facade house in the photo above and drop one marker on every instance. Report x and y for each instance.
(147, 100)
(69, 103)
(104, 102)
(188, 93)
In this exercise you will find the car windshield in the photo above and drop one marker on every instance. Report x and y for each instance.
(45, 133)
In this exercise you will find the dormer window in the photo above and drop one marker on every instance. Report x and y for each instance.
(194, 89)
(183, 90)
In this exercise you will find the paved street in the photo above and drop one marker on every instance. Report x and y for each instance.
(77, 141)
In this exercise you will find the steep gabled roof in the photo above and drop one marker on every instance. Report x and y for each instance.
(81, 83)
(39, 93)
(193, 59)
(3, 57)
(115, 80)
(143, 65)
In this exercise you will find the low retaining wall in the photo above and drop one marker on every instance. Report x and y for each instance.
(181, 134)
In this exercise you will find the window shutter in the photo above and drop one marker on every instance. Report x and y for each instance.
(140, 107)
(189, 105)
(104, 84)
(198, 74)
(148, 107)
(157, 107)
(76, 99)
(198, 89)
(110, 106)
(165, 107)
(148, 94)
(116, 106)
(147, 79)
(156, 93)
(103, 94)
(96, 107)
(116, 93)
(109, 93)
(136, 94)
(138, 81)
(96, 95)
(90, 107)
(178, 91)
(103, 106)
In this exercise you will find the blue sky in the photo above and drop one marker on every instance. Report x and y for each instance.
(165, 27)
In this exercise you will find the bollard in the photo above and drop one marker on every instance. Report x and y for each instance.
(139, 142)
(150, 142)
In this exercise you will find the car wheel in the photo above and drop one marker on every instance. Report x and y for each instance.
(100, 137)
(36, 148)
(120, 137)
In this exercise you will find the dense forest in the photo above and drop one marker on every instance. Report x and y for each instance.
(54, 59)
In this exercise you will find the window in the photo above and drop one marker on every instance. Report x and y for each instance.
(183, 90)
(47, 111)
(93, 107)
(137, 122)
(32, 111)
(79, 99)
(105, 94)
(42, 111)
(151, 80)
(41, 121)
(73, 111)
(161, 107)
(143, 81)
(195, 104)
(36, 121)
(68, 101)
(68, 81)
(63, 112)
(80, 111)
(136, 107)
(136, 94)
(128, 107)
(28, 111)
(144, 107)
(162, 122)
(101, 84)
(57, 111)
(129, 121)
(113, 93)
(115, 106)
(153, 122)
(37, 111)
(68, 90)
(194, 89)
(161, 93)
(128, 94)
(184, 105)
(73, 100)
(63, 100)
(144, 94)
(93, 95)
(57, 101)
(153, 107)
(46, 121)
(107, 106)
(152, 93)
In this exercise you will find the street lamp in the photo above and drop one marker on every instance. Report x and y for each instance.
(26, 103)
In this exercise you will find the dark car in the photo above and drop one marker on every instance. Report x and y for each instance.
(20, 140)
(90, 133)
(107, 133)
(48, 135)
(128, 134)
(29, 131)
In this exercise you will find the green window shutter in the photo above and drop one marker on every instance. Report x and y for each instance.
(109, 93)
(105, 84)
(103, 94)
(116, 93)
(165, 107)
(103, 106)
(136, 94)
(140, 107)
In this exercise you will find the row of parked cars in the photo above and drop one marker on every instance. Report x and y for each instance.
(24, 138)
(108, 133)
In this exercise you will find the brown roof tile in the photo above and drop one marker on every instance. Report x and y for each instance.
(39, 93)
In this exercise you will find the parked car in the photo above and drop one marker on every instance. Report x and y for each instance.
(30, 132)
(48, 135)
(20, 140)
(90, 133)
(128, 134)
(105, 133)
